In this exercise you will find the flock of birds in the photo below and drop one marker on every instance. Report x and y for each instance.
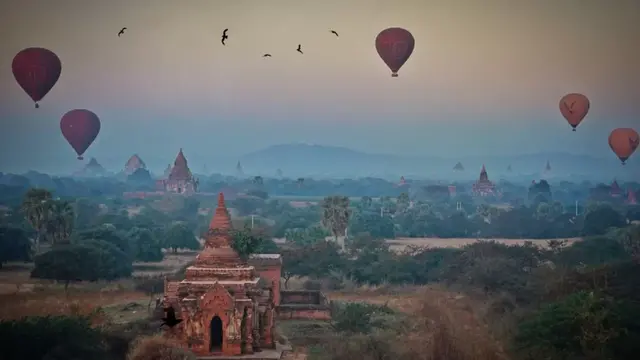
(225, 37)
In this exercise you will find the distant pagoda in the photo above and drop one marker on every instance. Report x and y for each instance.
(239, 171)
(180, 179)
(615, 191)
(458, 167)
(134, 163)
(483, 186)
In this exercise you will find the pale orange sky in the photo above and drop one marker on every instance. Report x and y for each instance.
(489, 62)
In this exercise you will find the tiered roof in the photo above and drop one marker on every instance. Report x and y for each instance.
(615, 189)
(483, 185)
(134, 163)
(180, 170)
(218, 261)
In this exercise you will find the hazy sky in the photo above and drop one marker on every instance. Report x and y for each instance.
(485, 76)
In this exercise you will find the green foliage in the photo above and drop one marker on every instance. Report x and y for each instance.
(89, 261)
(50, 338)
(180, 236)
(247, 242)
(381, 227)
(585, 324)
(354, 317)
(107, 233)
(35, 207)
(145, 246)
(14, 245)
(602, 218)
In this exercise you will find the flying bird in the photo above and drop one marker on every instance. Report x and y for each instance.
(266, 55)
(122, 31)
(335, 33)
(224, 36)
(171, 319)
(299, 49)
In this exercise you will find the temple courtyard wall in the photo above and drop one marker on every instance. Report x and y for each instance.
(303, 305)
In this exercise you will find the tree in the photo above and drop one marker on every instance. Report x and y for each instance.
(14, 245)
(145, 246)
(403, 201)
(179, 236)
(540, 192)
(86, 212)
(335, 216)
(90, 261)
(60, 222)
(379, 227)
(51, 337)
(601, 218)
(35, 207)
(107, 233)
(584, 325)
(247, 242)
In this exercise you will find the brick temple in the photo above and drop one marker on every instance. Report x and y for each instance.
(180, 179)
(227, 307)
(483, 187)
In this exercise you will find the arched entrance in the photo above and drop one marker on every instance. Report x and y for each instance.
(215, 343)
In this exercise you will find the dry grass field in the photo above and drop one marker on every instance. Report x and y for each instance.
(400, 244)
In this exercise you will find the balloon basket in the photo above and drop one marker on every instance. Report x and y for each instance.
(80, 158)
(574, 129)
(394, 75)
(37, 106)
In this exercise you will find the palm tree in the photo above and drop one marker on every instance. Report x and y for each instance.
(60, 222)
(35, 207)
(335, 216)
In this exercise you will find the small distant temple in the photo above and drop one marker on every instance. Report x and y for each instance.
(227, 307)
(134, 163)
(547, 167)
(483, 187)
(402, 181)
(180, 179)
(458, 167)
(631, 197)
(239, 171)
(616, 191)
(93, 168)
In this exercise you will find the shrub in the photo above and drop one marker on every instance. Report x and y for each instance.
(51, 337)
(158, 348)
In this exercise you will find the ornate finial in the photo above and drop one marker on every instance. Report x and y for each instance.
(221, 200)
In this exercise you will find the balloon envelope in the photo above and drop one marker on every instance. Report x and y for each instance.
(80, 127)
(574, 107)
(395, 45)
(36, 70)
(624, 142)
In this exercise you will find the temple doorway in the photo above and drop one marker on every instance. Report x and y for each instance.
(216, 334)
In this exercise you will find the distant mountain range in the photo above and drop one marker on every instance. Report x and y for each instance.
(330, 161)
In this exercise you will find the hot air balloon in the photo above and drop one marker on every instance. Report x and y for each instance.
(574, 107)
(80, 127)
(395, 45)
(36, 70)
(624, 142)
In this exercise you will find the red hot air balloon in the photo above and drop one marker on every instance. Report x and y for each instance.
(80, 127)
(36, 70)
(395, 45)
(624, 142)
(574, 107)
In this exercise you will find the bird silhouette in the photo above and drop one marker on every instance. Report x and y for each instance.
(224, 36)
(171, 319)
(266, 55)
(122, 31)
(299, 49)
(335, 33)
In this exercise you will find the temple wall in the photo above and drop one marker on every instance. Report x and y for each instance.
(270, 270)
(289, 313)
(303, 304)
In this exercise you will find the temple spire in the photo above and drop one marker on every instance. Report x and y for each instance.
(220, 226)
